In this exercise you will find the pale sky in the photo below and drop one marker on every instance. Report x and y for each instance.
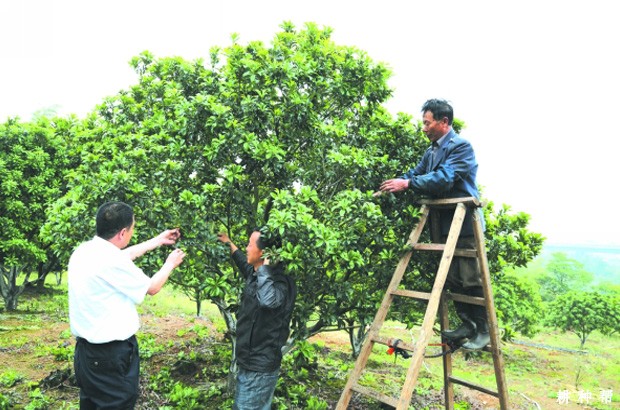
(537, 82)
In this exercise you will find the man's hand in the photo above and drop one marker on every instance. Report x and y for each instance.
(172, 261)
(394, 185)
(222, 237)
(169, 237)
(175, 258)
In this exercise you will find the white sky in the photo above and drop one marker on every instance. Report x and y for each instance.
(537, 82)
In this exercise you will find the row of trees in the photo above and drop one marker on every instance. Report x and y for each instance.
(565, 296)
(293, 136)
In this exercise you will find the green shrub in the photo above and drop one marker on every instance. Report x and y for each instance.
(62, 352)
(38, 401)
(316, 404)
(10, 378)
(185, 397)
(5, 403)
(201, 331)
(148, 345)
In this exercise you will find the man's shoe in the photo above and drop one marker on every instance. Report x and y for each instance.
(466, 330)
(481, 338)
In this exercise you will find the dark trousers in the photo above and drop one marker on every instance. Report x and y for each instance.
(465, 277)
(107, 374)
(255, 389)
(464, 272)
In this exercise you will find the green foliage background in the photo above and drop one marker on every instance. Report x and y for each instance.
(293, 136)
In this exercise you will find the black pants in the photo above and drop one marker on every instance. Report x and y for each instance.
(465, 277)
(107, 374)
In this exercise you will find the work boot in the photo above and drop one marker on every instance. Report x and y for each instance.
(481, 338)
(466, 330)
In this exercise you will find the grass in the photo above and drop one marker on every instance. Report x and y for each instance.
(185, 363)
(166, 302)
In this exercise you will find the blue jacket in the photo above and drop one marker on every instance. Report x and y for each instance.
(451, 174)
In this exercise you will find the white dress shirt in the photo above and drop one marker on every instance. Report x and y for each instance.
(104, 288)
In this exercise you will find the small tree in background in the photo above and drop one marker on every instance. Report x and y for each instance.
(562, 275)
(584, 312)
(33, 161)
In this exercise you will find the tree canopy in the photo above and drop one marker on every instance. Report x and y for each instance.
(584, 312)
(292, 136)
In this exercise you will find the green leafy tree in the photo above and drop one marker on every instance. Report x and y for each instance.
(33, 161)
(611, 291)
(613, 319)
(290, 136)
(509, 243)
(511, 246)
(518, 305)
(584, 312)
(563, 274)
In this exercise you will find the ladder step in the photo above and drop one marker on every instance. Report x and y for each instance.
(388, 342)
(473, 386)
(405, 346)
(439, 247)
(391, 401)
(412, 294)
(473, 300)
(451, 202)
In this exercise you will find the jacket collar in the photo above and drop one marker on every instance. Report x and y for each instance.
(440, 153)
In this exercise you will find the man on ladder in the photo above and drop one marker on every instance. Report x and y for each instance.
(448, 170)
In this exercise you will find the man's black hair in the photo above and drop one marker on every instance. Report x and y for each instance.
(268, 239)
(112, 217)
(439, 109)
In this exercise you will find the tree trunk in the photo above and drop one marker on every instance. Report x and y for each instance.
(231, 325)
(8, 286)
(290, 344)
(10, 303)
(231, 382)
(583, 340)
(357, 335)
(198, 302)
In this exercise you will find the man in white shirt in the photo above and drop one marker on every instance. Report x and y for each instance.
(104, 288)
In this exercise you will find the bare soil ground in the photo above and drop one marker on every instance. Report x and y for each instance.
(27, 356)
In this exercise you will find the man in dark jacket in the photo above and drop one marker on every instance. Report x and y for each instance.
(448, 170)
(263, 322)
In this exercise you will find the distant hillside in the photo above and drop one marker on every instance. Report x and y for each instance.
(603, 262)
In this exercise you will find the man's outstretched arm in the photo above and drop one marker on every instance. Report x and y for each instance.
(167, 237)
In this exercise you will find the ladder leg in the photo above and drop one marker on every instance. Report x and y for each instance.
(447, 359)
(431, 310)
(498, 362)
(444, 325)
(360, 363)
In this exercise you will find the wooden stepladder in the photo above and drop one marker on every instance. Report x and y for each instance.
(437, 299)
